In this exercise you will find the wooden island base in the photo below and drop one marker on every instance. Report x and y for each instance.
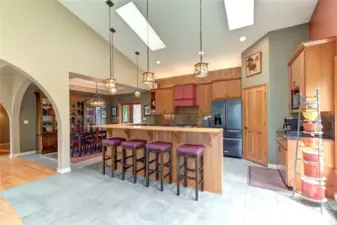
(211, 138)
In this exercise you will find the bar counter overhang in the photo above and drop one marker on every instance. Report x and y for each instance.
(211, 138)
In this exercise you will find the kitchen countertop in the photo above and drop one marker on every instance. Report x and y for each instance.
(162, 128)
(293, 137)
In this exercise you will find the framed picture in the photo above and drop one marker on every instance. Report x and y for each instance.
(114, 110)
(253, 64)
(103, 113)
(147, 110)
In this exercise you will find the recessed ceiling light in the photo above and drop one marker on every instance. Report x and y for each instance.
(158, 62)
(201, 53)
(243, 38)
(240, 13)
(137, 22)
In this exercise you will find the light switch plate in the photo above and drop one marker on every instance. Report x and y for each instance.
(25, 121)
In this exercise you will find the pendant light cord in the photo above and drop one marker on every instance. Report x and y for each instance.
(147, 31)
(96, 88)
(110, 37)
(201, 52)
(137, 68)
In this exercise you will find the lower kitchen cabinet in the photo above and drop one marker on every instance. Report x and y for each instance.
(286, 155)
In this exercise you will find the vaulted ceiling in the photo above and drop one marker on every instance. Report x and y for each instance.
(177, 24)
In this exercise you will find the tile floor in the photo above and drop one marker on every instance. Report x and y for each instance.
(84, 196)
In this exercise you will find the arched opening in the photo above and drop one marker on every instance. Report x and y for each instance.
(4, 132)
(15, 85)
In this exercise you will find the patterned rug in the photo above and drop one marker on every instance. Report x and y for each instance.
(266, 178)
(75, 158)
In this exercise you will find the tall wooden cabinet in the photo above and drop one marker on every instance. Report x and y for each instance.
(204, 98)
(46, 125)
(312, 66)
(164, 100)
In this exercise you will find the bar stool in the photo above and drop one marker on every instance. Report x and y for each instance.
(195, 152)
(133, 145)
(159, 148)
(113, 143)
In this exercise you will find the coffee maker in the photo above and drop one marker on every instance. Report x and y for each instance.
(290, 124)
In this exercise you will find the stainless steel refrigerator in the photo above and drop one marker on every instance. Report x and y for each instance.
(227, 114)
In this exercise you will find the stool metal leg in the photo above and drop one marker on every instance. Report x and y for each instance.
(134, 168)
(170, 166)
(178, 174)
(115, 156)
(113, 162)
(123, 163)
(147, 156)
(196, 178)
(161, 171)
(103, 159)
(202, 173)
(185, 171)
(157, 165)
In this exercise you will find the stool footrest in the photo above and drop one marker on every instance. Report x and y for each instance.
(188, 177)
(202, 180)
(167, 174)
(140, 169)
(127, 166)
(200, 169)
(107, 158)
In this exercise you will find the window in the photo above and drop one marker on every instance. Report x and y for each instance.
(131, 112)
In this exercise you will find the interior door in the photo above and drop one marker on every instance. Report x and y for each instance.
(255, 124)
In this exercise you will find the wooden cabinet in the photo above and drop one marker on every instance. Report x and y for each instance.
(311, 67)
(46, 125)
(204, 98)
(164, 101)
(185, 95)
(226, 89)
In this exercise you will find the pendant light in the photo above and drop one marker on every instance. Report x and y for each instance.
(201, 68)
(96, 101)
(110, 83)
(148, 77)
(137, 92)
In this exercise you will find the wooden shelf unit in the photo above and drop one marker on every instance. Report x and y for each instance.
(46, 125)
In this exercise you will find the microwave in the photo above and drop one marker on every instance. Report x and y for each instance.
(295, 99)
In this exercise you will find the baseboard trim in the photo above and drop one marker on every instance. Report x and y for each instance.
(64, 170)
(25, 153)
(272, 166)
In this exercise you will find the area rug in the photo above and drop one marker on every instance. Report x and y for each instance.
(75, 158)
(266, 178)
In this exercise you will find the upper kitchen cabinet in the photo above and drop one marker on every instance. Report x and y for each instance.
(226, 89)
(204, 98)
(185, 95)
(164, 100)
(312, 67)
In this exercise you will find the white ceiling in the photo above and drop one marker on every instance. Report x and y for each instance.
(177, 24)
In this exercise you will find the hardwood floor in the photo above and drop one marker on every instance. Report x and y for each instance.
(15, 172)
(8, 216)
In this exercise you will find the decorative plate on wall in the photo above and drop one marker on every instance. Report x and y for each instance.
(253, 64)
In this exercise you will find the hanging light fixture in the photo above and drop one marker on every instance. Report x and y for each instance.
(110, 83)
(96, 101)
(148, 77)
(201, 68)
(137, 92)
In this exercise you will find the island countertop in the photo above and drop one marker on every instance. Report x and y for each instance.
(210, 138)
(162, 128)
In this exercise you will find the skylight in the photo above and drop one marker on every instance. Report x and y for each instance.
(240, 13)
(134, 18)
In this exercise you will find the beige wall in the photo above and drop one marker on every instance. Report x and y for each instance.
(46, 42)
(4, 126)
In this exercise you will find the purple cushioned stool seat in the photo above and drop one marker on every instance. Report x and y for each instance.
(113, 141)
(159, 145)
(191, 149)
(135, 143)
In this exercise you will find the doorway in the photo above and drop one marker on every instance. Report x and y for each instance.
(131, 112)
(4, 132)
(255, 120)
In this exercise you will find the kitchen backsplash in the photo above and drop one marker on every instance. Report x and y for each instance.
(184, 115)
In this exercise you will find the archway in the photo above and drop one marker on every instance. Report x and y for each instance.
(4, 132)
(12, 99)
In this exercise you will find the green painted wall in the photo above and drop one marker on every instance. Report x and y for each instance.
(277, 48)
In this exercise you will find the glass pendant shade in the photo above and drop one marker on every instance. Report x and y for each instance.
(201, 69)
(148, 78)
(110, 83)
(113, 90)
(137, 94)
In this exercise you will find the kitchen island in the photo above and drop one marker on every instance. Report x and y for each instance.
(211, 138)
